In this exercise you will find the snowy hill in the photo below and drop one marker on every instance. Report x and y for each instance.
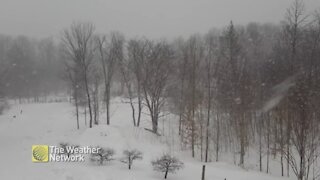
(54, 123)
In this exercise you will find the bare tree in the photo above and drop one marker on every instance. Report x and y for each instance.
(103, 155)
(95, 94)
(79, 48)
(193, 55)
(130, 156)
(211, 46)
(111, 53)
(156, 70)
(167, 164)
(71, 75)
(132, 75)
(235, 86)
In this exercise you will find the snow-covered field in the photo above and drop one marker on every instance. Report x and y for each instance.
(53, 123)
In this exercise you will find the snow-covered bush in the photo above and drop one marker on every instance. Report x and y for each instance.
(130, 156)
(167, 164)
(103, 155)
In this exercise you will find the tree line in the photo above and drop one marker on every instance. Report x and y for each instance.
(29, 69)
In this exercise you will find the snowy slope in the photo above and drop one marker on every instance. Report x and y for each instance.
(54, 123)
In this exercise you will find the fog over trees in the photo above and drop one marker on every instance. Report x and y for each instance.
(242, 88)
(30, 68)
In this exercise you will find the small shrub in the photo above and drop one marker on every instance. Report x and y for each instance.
(167, 164)
(130, 156)
(103, 155)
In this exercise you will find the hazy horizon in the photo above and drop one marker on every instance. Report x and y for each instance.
(150, 18)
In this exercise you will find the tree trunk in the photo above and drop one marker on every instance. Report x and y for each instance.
(242, 141)
(77, 109)
(89, 99)
(281, 144)
(203, 172)
(155, 123)
(133, 112)
(218, 137)
(85, 116)
(201, 134)
(268, 142)
(208, 121)
(108, 103)
(260, 142)
(139, 104)
(166, 174)
(181, 104)
(96, 102)
(288, 142)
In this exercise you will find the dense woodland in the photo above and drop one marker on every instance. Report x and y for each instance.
(231, 89)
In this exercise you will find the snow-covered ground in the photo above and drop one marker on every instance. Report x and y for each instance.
(53, 123)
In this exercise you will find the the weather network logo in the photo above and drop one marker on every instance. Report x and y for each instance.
(68, 153)
(40, 153)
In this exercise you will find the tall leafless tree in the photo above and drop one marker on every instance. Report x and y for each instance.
(156, 71)
(79, 48)
(111, 53)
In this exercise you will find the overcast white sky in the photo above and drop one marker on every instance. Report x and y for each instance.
(152, 18)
